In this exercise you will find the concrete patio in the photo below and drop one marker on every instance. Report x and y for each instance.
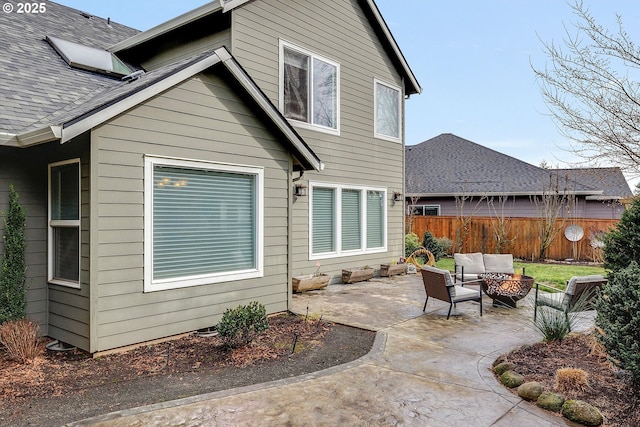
(423, 370)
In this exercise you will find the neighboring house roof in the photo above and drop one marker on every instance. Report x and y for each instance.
(223, 6)
(93, 98)
(448, 165)
(610, 180)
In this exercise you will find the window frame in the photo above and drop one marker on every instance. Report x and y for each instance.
(151, 285)
(61, 223)
(423, 208)
(337, 231)
(298, 123)
(377, 134)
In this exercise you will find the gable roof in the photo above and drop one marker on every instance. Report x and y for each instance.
(224, 6)
(448, 165)
(81, 100)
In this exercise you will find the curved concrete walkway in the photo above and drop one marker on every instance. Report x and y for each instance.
(423, 370)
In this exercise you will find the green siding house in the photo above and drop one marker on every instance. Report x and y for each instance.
(160, 169)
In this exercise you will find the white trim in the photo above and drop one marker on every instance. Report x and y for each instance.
(394, 46)
(63, 223)
(312, 55)
(151, 285)
(338, 220)
(398, 139)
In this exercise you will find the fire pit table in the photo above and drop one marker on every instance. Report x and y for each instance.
(506, 289)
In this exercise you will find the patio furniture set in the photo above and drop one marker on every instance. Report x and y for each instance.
(494, 274)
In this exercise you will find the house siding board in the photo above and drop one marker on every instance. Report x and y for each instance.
(220, 128)
(338, 31)
(187, 49)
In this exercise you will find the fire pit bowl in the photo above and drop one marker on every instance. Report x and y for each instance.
(506, 289)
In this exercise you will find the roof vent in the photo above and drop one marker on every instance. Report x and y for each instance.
(86, 15)
(133, 76)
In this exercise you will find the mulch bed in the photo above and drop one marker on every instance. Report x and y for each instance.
(607, 390)
(59, 387)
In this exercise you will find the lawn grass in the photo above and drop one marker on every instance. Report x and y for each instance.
(555, 275)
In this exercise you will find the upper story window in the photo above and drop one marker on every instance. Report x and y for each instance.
(309, 89)
(387, 111)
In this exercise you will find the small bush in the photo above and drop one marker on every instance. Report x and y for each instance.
(552, 324)
(411, 243)
(446, 244)
(20, 339)
(618, 319)
(430, 243)
(622, 244)
(571, 381)
(13, 270)
(240, 326)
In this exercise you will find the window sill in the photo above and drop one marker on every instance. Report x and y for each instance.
(317, 128)
(388, 138)
(64, 283)
(314, 257)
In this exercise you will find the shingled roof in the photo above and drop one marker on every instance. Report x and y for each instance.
(610, 180)
(52, 101)
(36, 82)
(448, 165)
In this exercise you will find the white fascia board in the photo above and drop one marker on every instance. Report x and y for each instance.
(33, 137)
(268, 108)
(101, 116)
(394, 46)
(228, 5)
(167, 26)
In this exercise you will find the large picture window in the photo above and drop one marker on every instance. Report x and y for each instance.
(64, 223)
(346, 220)
(309, 88)
(203, 223)
(387, 111)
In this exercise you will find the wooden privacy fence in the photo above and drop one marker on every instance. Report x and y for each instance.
(522, 237)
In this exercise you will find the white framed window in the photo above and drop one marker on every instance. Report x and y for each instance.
(309, 89)
(346, 220)
(63, 264)
(424, 210)
(204, 223)
(387, 111)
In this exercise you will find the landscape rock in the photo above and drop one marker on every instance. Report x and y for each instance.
(550, 401)
(503, 367)
(530, 390)
(499, 360)
(511, 379)
(582, 413)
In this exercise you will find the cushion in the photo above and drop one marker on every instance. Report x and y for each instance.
(571, 286)
(473, 263)
(459, 293)
(447, 278)
(498, 263)
(555, 300)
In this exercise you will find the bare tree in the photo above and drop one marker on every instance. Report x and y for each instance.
(591, 88)
(553, 205)
(500, 222)
(466, 209)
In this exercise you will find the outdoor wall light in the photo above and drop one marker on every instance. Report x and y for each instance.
(397, 196)
(300, 190)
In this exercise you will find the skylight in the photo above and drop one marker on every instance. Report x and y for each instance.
(89, 58)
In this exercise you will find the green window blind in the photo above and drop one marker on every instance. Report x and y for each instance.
(351, 234)
(375, 219)
(204, 222)
(323, 220)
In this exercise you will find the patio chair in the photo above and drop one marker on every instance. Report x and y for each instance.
(580, 290)
(439, 284)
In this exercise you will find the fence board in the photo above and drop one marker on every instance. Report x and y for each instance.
(523, 235)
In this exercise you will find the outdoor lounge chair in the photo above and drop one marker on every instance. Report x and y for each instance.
(580, 290)
(439, 284)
